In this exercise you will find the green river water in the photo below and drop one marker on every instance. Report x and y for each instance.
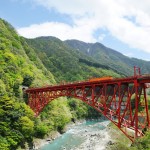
(89, 135)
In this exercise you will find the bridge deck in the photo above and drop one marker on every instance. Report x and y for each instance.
(140, 79)
(122, 100)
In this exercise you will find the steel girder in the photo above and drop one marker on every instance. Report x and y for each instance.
(123, 101)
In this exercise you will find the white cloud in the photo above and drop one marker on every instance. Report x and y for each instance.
(90, 15)
(60, 30)
(101, 37)
(129, 54)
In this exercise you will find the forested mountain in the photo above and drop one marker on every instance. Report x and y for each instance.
(21, 65)
(65, 63)
(39, 62)
(106, 56)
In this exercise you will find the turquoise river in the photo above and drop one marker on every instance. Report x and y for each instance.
(88, 135)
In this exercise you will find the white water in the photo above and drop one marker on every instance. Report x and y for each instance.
(90, 135)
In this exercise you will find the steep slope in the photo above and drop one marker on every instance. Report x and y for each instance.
(39, 62)
(20, 66)
(109, 57)
(65, 63)
(19, 63)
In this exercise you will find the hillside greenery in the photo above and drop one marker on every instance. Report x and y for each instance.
(33, 63)
(109, 57)
(21, 66)
(65, 63)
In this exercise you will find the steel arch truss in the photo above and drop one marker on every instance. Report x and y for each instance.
(124, 102)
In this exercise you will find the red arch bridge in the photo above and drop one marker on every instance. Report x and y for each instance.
(123, 101)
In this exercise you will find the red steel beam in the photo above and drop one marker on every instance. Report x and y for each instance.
(123, 101)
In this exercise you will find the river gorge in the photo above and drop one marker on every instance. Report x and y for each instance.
(88, 135)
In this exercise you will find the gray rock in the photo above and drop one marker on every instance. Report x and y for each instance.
(110, 143)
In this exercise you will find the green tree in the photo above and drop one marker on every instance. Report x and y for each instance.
(4, 144)
(41, 130)
(142, 143)
(26, 126)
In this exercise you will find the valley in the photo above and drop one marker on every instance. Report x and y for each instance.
(47, 61)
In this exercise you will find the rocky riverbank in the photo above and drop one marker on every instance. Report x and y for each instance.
(96, 136)
(38, 143)
(96, 140)
(110, 138)
(119, 140)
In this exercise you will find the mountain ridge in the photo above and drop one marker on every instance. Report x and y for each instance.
(92, 54)
(20, 66)
(65, 62)
(33, 63)
(105, 55)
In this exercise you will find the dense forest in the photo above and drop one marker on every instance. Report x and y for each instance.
(38, 62)
(109, 57)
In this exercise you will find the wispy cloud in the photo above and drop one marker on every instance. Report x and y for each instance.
(89, 15)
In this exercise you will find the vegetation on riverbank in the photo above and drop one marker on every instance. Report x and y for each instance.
(20, 66)
(120, 141)
(33, 63)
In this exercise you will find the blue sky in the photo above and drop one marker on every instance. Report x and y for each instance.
(123, 25)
